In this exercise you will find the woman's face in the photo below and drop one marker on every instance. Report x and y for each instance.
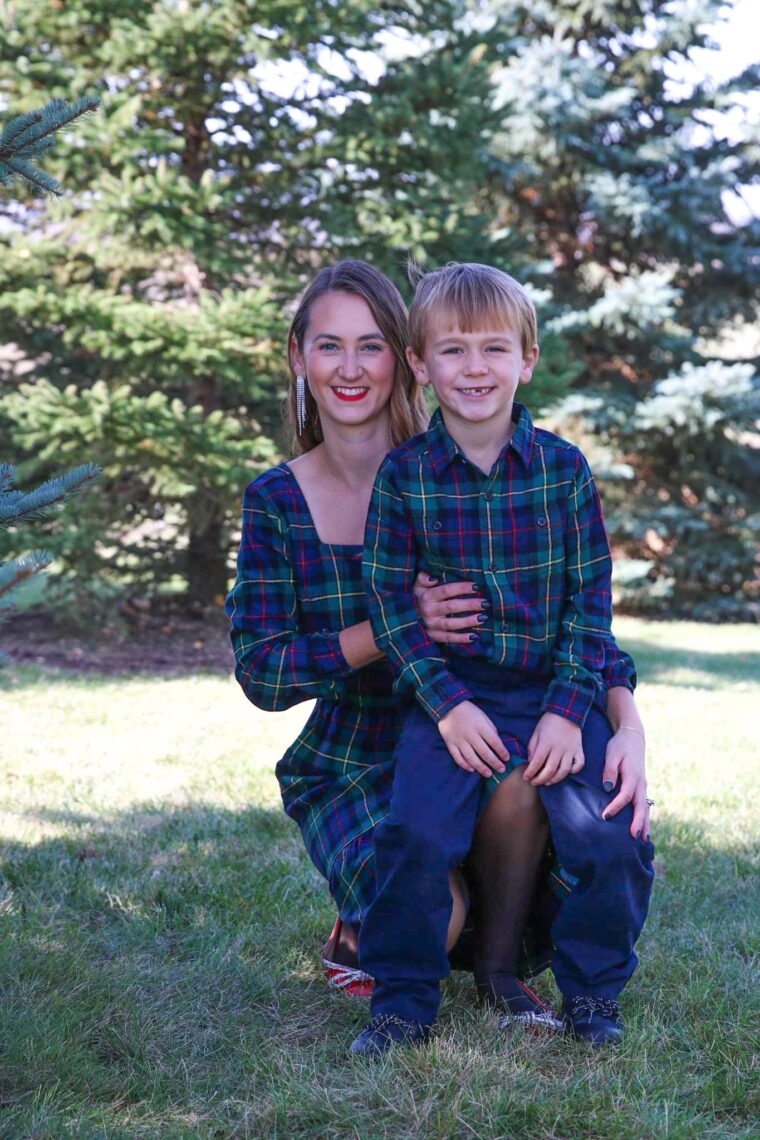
(348, 364)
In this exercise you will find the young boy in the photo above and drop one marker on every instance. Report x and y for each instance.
(484, 496)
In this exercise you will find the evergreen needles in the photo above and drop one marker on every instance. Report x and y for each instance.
(18, 506)
(30, 135)
(24, 138)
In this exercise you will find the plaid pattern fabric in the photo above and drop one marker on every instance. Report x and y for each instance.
(292, 596)
(530, 536)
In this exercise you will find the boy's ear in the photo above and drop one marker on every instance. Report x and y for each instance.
(296, 359)
(529, 363)
(417, 366)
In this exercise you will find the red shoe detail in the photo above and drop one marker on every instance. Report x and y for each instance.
(352, 982)
(542, 1007)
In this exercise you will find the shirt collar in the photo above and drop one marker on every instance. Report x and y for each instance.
(443, 450)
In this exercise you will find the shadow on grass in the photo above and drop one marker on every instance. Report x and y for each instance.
(245, 876)
(163, 959)
(657, 665)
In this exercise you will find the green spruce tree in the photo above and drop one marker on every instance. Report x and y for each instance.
(23, 141)
(243, 145)
(240, 146)
(616, 169)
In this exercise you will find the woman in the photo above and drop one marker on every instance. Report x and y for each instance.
(298, 611)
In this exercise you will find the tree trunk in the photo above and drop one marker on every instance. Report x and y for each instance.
(207, 564)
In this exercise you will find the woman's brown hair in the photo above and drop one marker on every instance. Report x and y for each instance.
(407, 409)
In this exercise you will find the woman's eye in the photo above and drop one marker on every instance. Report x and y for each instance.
(373, 347)
(328, 346)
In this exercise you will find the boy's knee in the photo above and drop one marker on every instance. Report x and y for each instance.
(410, 841)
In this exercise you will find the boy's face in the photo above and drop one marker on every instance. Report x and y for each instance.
(474, 374)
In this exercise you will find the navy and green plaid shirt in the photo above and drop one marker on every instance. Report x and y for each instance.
(529, 534)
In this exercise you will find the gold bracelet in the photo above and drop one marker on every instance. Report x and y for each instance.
(632, 728)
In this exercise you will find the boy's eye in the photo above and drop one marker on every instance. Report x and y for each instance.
(451, 351)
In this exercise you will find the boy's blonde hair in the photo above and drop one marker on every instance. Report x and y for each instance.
(478, 297)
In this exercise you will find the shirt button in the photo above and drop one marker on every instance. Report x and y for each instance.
(505, 626)
(489, 496)
(491, 565)
(324, 632)
(437, 524)
(542, 520)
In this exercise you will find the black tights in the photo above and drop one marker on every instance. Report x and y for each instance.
(502, 867)
(508, 846)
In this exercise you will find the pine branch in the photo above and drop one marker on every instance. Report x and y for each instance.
(12, 574)
(15, 505)
(7, 476)
(29, 135)
(34, 178)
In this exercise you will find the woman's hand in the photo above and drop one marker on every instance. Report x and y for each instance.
(451, 614)
(624, 761)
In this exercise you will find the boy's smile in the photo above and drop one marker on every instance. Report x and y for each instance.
(474, 374)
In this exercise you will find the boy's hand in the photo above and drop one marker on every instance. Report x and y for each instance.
(624, 761)
(472, 739)
(554, 750)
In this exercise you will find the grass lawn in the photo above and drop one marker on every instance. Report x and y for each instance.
(162, 925)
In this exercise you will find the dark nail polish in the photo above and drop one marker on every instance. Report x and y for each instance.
(473, 637)
(638, 834)
(646, 838)
(606, 818)
(481, 618)
(608, 785)
(484, 605)
(475, 589)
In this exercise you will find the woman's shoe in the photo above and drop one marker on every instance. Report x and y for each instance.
(517, 1004)
(350, 980)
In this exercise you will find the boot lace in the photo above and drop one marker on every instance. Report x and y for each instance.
(585, 1004)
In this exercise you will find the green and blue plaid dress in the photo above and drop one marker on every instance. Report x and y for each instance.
(292, 596)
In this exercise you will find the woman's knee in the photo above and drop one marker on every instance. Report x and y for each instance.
(516, 803)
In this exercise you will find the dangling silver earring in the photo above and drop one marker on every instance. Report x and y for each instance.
(300, 403)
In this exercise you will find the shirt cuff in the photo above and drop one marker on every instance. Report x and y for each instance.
(620, 683)
(328, 656)
(440, 696)
(570, 701)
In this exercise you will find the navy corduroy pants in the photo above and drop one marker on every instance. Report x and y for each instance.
(434, 809)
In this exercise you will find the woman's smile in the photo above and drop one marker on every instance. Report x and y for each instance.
(350, 394)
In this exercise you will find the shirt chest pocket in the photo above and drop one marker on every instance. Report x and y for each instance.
(450, 548)
(533, 547)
